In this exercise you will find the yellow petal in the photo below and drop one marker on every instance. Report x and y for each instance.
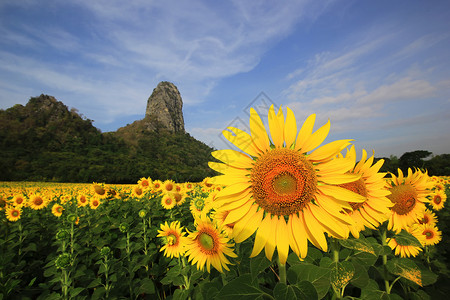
(292, 241)
(233, 190)
(228, 180)
(261, 235)
(305, 132)
(258, 131)
(242, 140)
(282, 240)
(271, 239)
(329, 150)
(338, 178)
(333, 227)
(316, 138)
(314, 230)
(245, 227)
(233, 158)
(238, 213)
(290, 128)
(300, 235)
(226, 169)
(276, 128)
(341, 193)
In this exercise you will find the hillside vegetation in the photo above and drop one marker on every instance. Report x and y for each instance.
(45, 141)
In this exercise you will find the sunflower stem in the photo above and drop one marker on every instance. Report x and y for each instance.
(281, 271)
(386, 281)
(335, 249)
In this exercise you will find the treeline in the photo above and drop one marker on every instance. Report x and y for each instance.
(438, 165)
(45, 141)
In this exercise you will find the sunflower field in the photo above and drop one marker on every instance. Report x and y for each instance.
(287, 218)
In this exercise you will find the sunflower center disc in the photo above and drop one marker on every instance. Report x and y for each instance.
(437, 199)
(15, 213)
(171, 239)
(428, 235)
(404, 198)
(206, 241)
(99, 190)
(38, 201)
(358, 187)
(283, 181)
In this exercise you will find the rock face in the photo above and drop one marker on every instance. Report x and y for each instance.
(165, 106)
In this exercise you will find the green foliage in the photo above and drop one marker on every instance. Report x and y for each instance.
(44, 141)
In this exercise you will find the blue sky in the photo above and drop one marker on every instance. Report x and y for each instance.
(379, 70)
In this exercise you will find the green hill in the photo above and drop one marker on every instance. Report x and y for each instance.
(45, 141)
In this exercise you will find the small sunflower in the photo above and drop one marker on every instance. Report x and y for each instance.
(19, 200)
(405, 250)
(285, 189)
(168, 201)
(427, 217)
(145, 183)
(57, 210)
(157, 185)
(197, 205)
(37, 201)
(82, 200)
(94, 203)
(137, 191)
(208, 246)
(438, 199)
(409, 195)
(180, 198)
(13, 213)
(174, 239)
(431, 233)
(99, 190)
(168, 186)
(188, 186)
(371, 185)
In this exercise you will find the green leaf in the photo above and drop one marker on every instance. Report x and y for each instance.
(360, 245)
(361, 277)
(285, 292)
(307, 290)
(95, 283)
(180, 294)
(74, 292)
(241, 287)
(405, 238)
(408, 269)
(146, 286)
(341, 274)
(319, 277)
(258, 264)
(364, 258)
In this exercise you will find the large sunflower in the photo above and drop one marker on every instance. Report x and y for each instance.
(174, 239)
(371, 185)
(209, 245)
(37, 201)
(409, 195)
(280, 189)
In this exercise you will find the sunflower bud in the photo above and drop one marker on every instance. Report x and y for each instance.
(62, 235)
(124, 227)
(63, 261)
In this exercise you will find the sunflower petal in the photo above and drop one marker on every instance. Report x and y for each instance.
(233, 158)
(242, 140)
(276, 128)
(305, 132)
(329, 150)
(261, 235)
(245, 227)
(282, 240)
(290, 128)
(258, 131)
(316, 138)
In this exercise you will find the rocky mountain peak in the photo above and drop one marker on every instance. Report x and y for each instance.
(166, 107)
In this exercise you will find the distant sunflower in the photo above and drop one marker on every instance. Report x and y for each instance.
(409, 195)
(19, 200)
(188, 186)
(438, 199)
(375, 210)
(406, 250)
(168, 186)
(180, 198)
(57, 210)
(145, 183)
(82, 200)
(197, 205)
(13, 213)
(168, 201)
(37, 201)
(157, 185)
(280, 191)
(99, 190)
(427, 217)
(137, 191)
(94, 203)
(208, 246)
(174, 239)
(431, 233)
